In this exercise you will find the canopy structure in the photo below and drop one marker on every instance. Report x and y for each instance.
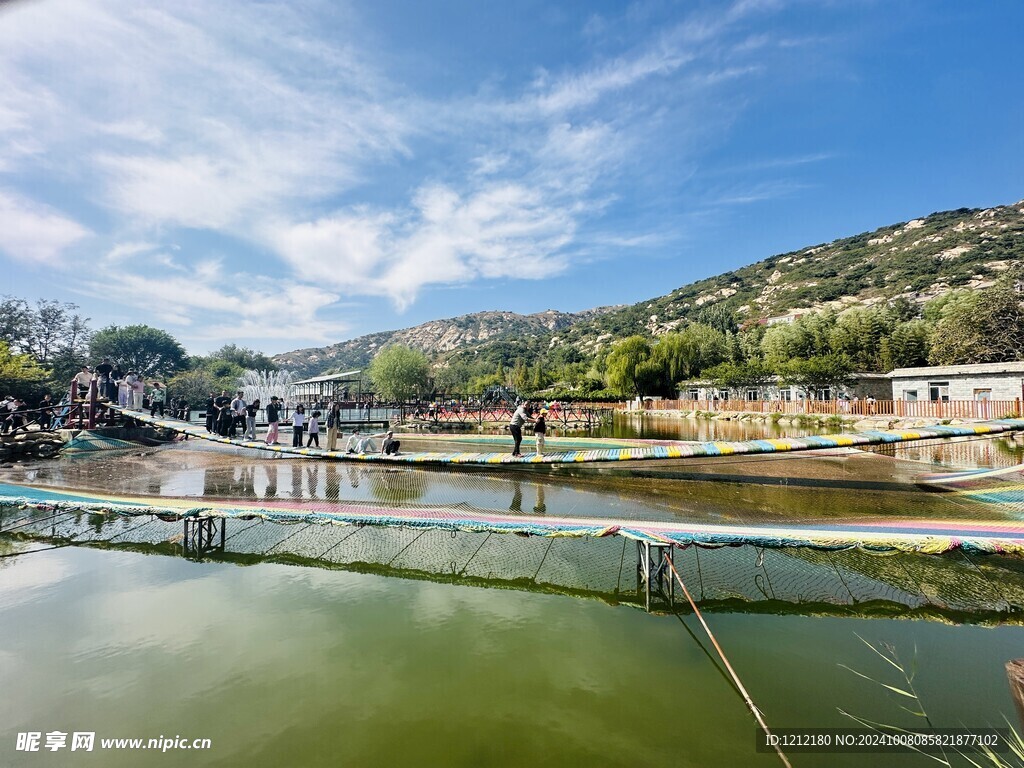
(654, 451)
(347, 386)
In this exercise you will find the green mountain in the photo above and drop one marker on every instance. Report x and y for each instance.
(917, 260)
(436, 338)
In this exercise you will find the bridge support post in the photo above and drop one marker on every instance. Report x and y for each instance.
(652, 570)
(204, 535)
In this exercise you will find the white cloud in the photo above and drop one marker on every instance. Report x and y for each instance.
(180, 118)
(35, 233)
(266, 124)
(501, 230)
(209, 302)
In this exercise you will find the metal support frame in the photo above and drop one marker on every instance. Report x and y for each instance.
(652, 570)
(204, 535)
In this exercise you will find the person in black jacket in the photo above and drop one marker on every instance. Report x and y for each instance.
(211, 412)
(540, 430)
(274, 418)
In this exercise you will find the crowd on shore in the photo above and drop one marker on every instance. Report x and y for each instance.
(230, 416)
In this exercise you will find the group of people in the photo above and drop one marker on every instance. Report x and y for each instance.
(227, 416)
(523, 414)
(15, 413)
(310, 426)
(127, 389)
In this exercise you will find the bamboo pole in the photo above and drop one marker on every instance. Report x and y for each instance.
(732, 673)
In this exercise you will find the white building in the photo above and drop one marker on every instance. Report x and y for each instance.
(862, 386)
(988, 381)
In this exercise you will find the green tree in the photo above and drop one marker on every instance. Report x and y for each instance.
(52, 332)
(859, 333)
(985, 327)
(749, 342)
(15, 322)
(830, 371)
(196, 385)
(806, 337)
(539, 377)
(400, 373)
(936, 309)
(20, 375)
(630, 368)
(452, 378)
(738, 376)
(245, 358)
(685, 354)
(149, 351)
(909, 345)
(717, 316)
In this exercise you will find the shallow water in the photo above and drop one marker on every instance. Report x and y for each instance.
(305, 646)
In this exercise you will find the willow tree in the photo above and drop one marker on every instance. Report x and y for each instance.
(399, 373)
(631, 369)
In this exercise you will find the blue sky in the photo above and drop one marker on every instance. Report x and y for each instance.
(283, 175)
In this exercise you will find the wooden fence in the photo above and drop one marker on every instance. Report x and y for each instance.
(925, 409)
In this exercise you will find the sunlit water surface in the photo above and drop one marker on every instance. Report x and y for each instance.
(306, 666)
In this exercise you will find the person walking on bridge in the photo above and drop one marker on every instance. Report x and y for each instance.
(298, 425)
(515, 426)
(273, 418)
(250, 419)
(333, 417)
(157, 398)
(540, 431)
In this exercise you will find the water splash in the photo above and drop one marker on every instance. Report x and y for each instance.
(265, 384)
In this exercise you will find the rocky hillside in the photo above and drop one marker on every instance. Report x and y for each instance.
(918, 260)
(435, 338)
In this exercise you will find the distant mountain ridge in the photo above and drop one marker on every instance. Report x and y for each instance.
(434, 338)
(918, 260)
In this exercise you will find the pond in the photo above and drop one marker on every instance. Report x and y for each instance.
(303, 646)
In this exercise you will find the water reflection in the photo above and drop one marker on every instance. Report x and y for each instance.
(516, 507)
(398, 486)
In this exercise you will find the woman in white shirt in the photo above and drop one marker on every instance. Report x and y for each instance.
(298, 425)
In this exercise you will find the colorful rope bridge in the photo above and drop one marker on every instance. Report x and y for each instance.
(647, 453)
(888, 535)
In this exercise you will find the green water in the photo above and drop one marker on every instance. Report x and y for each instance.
(403, 648)
(290, 666)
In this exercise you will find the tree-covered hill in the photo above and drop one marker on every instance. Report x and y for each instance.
(917, 260)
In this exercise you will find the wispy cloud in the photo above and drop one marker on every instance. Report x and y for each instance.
(208, 301)
(319, 177)
(35, 233)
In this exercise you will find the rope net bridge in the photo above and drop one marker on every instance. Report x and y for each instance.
(918, 569)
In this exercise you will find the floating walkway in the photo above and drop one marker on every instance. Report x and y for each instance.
(933, 536)
(640, 453)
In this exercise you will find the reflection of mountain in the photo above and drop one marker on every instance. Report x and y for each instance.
(957, 588)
